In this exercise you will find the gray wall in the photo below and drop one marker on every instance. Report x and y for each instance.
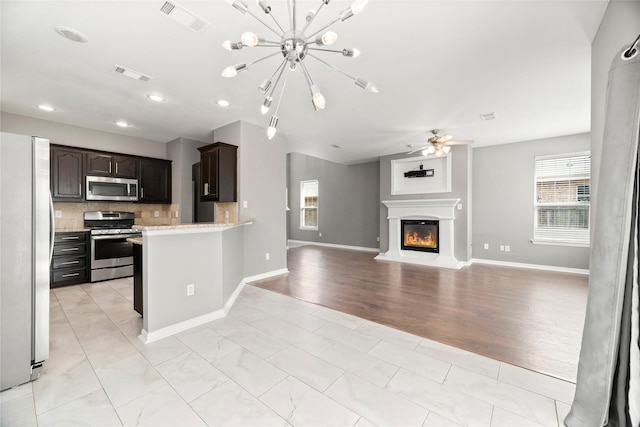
(261, 183)
(503, 193)
(460, 189)
(619, 27)
(60, 133)
(348, 212)
(183, 153)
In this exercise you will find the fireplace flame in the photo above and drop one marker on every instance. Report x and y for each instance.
(414, 239)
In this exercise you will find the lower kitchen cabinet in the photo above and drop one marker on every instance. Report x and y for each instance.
(70, 262)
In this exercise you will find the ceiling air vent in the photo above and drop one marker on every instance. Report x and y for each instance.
(132, 74)
(183, 17)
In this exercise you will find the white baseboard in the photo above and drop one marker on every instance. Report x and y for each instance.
(265, 275)
(532, 266)
(331, 245)
(149, 337)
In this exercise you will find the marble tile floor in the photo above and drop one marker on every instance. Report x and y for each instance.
(273, 360)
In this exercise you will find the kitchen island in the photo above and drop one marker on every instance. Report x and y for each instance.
(191, 274)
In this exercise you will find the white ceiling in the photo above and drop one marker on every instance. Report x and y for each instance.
(438, 64)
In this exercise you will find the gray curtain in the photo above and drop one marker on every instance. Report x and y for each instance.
(608, 389)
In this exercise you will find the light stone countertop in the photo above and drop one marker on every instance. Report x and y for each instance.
(192, 225)
(135, 240)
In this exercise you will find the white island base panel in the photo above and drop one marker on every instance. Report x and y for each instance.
(209, 259)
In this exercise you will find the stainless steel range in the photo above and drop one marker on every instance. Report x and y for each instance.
(111, 254)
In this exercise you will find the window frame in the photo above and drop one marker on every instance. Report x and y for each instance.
(303, 208)
(565, 236)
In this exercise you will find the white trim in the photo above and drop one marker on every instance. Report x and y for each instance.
(531, 266)
(232, 299)
(265, 275)
(149, 337)
(559, 243)
(331, 245)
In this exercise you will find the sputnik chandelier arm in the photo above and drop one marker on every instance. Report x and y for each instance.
(294, 46)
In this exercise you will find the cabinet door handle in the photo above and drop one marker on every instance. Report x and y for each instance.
(70, 250)
(71, 275)
(116, 169)
(206, 188)
(80, 189)
(71, 238)
(141, 193)
(109, 166)
(70, 262)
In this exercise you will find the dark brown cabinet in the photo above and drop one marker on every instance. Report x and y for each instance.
(66, 174)
(69, 264)
(218, 172)
(104, 164)
(155, 181)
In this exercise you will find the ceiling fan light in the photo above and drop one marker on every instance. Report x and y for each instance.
(317, 98)
(446, 149)
(266, 105)
(358, 6)
(271, 130)
(327, 39)
(351, 52)
(250, 39)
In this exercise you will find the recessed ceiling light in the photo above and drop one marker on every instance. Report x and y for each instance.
(123, 124)
(223, 103)
(71, 34)
(156, 98)
(46, 107)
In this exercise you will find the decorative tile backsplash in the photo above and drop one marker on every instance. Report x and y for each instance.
(145, 214)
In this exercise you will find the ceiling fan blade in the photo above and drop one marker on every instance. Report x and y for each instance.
(418, 149)
(459, 142)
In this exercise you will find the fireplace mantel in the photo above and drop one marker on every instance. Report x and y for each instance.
(442, 210)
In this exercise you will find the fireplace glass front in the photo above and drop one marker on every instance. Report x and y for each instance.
(420, 235)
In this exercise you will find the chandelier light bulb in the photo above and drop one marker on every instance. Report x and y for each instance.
(266, 105)
(233, 70)
(351, 53)
(264, 87)
(368, 86)
(358, 6)
(271, 130)
(226, 44)
(317, 98)
(249, 39)
(310, 15)
(327, 38)
(264, 6)
(239, 5)
(229, 45)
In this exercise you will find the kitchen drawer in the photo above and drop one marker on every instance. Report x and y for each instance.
(68, 237)
(70, 249)
(74, 262)
(78, 275)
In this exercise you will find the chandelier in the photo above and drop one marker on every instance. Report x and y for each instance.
(295, 46)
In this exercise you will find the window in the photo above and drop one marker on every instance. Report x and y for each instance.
(309, 205)
(563, 192)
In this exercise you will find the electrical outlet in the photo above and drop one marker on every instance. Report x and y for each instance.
(191, 289)
(320, 234)
(156, 214)
(226, 214)
(177, 214)
(378, 239)
(459, 206)
(486, 246)
(507, 248)
(502, 248)
(267, 256)
(58, 214)
(245, 204)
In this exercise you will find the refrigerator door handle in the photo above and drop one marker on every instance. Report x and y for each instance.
(52, 231)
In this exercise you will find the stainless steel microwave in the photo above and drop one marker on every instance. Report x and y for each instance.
(111, 189)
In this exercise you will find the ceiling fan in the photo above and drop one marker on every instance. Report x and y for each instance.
(439, 144)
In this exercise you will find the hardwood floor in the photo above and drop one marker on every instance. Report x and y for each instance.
(529, 318)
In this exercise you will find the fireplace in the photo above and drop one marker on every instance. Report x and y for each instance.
(420, 235)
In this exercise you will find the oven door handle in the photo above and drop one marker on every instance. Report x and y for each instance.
(114, 236)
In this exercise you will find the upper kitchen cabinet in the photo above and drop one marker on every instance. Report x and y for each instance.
(105, 164)
(66, 174)
(218, 172)
(155, 181)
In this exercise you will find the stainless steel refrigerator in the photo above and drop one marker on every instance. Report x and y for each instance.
(26, 226)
